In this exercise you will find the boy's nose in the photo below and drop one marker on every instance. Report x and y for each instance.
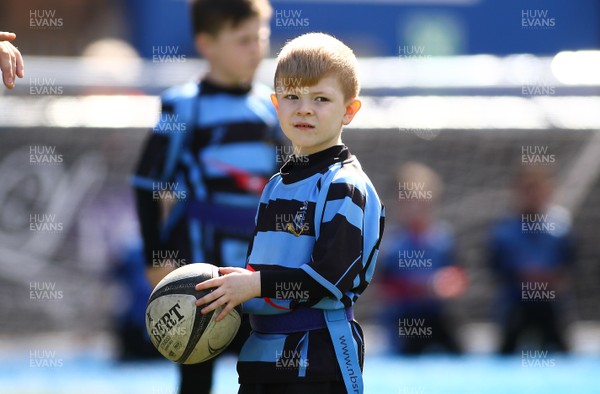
(304, 108)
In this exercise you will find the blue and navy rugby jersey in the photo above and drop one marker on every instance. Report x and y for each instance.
(318, 228)
(515, 252)
(206, 161)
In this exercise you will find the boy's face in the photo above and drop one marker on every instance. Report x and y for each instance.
(312, 116)
(533, 195)
(235, 52)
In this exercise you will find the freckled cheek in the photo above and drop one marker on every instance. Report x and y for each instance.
(290, 111)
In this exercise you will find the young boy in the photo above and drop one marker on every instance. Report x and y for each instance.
(204, 166)
(529, 248)
(317, 234)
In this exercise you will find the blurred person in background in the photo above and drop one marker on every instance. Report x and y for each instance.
(531, 253)
(11, 61)
(418, 271)
(203, 169)
(130, 325)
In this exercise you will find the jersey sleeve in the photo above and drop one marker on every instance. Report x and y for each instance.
(568, 251)
(337, 258)
(150, 169)
(154, 157)
(336, 264)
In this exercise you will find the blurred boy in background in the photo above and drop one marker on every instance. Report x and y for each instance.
(202, 170)
(531, 252)
(418, 269)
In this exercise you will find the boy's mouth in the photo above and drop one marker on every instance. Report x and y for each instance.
(303, 126)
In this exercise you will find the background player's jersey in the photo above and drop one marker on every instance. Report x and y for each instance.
(206, 163)
(321, 214)
(516, 252)
(409, 261)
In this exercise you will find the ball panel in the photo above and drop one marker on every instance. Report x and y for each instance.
(201, 324)
(196, 269)
(184, 279)
(169, 321)
(218, 335)
(176, 326)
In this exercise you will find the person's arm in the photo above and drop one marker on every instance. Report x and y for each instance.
(337, 259)
(495, 253)
(11, 61)
(563, 276)
(149, 210)
(149, 214)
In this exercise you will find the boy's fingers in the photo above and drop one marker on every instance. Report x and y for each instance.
(20, 65)
(208, 309)
(213, 305)
(222, 315)
(7, 62)
(229, 270)
(6, 36)
(228, 307)
(207, 299)
(212, 298)
(207, 284)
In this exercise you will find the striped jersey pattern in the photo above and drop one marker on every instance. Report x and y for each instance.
(317, 234)
(212, 151)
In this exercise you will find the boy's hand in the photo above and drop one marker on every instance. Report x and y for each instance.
(11, 61)
(237, 285)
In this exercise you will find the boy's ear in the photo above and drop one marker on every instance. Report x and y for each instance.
(203, 43)
(351, 109)
(274, 101)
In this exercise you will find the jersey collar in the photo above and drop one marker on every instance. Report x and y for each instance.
(297, 168)
(209, 87)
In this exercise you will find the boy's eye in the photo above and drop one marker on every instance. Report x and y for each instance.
(321, 99)
(290, 97)
(245, 40)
